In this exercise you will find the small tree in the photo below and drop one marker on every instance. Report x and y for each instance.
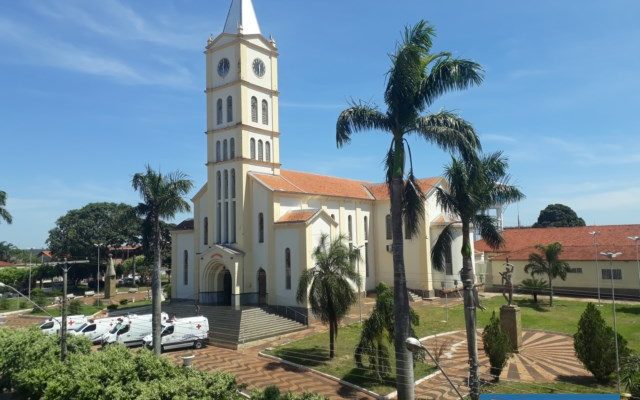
(534, 286)
(594, 344)
(547, 262)
(75, 307)
(497, 346)
(630, 374)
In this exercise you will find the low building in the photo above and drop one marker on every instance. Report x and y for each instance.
(581, 249)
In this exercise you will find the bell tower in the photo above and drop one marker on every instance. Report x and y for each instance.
(242, 118)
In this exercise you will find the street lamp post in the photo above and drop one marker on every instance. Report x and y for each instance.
(611, 255)
(98, 275)
(595, 244)
(30, 254)
(414, 345)
(637, 240)
(4, 285)
(360, 284)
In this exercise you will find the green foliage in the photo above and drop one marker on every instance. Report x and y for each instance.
(558, 215)
(16, 277)
(39, 297)
(497, 346)
(594, 344)
(534, 286)
(630, 374)
(75, 307)
(547, 262)
(273, 393)
(112, 307)
(4, 214)
(5, 304)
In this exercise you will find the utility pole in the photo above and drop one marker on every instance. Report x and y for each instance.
(637, 240)
(611, 255)
(30, 254)
(63, 332)
(595, 244)
(98, 275)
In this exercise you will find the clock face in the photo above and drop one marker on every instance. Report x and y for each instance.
(223, 67)
(259, 68)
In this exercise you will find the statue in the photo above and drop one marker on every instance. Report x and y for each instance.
(110, 280)
(507, 284)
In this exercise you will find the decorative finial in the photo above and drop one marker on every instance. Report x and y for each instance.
(240, 29)
(210, 40)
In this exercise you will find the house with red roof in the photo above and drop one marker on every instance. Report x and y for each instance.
(255, 224)
(582, 248)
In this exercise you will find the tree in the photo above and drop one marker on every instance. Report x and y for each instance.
(547, 262)
(162, 197)
(534, 286)
(4, 214)
(414, 81)
(329, 284)
(630, 374)
(377, 331)
(558, 215)
(595, 345)
(496, 346)
(472, 186)
(77, 232)
(6, 251)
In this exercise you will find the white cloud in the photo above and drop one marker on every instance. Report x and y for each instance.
(490, 137)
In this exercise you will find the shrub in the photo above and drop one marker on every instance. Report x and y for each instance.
(497, 346)
(23, 304)
(124, 301)
(38, 296)
(75, 307)
(630, 374)
(112, 307)
(5, 304)
(594, 344)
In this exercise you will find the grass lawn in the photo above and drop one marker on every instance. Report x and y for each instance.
(514, 387)
(55, 311)
(140, 303)
(14, 304)
(563, 317)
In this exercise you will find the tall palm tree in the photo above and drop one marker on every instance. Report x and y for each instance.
(162, 197)
(6, 250)
(377, 331)
(472, 186)
(547, 262)
(415, 80)
(4, 214)
(330, 283)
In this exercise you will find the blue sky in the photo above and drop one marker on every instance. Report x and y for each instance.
(91, 91)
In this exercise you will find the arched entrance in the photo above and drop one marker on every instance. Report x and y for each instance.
(262, 287)
(226, 288)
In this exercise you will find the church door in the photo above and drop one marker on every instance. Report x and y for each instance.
(226, 289)
(262, 287)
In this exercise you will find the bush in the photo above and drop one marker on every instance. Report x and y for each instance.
(112, 307)
(75, 307)
(5, 304)
(39, 297)
(124, 302)
(594, 344)
(630, 374)
(497, 346)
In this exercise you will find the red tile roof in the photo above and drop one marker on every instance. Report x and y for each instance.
(295, 216)
(576, 241)
(306, 183)
(186, 225)
(6, 264)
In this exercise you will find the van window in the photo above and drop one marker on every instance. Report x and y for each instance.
(47, 325)
(168, 331)
(81, 327)
(124, 330)
(116, 328)
(90, 328)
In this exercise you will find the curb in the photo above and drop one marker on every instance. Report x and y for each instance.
(331, 377)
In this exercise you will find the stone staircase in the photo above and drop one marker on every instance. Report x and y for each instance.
(413, 296)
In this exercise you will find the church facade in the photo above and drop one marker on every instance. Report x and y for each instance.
(256, 224)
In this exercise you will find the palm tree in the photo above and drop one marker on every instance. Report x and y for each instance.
(6, 250)
(414, 81)
(4, 214)
(472, 186)
(162, 197)
(330, 284)
(377, 331)
(534, 286)
(547, 262)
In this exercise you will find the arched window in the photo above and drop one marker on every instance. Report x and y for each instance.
(260, 154)
(350, 228)
(267, 151)
(265, 112)
(232, 148)
(225, 150)
(219, 185)
(233, 222)
(229, 109)
(218, 153)
(287, 268)
(260, 228)
(252, 148)
(387, 222)
(219, 222)
(233, 183)
(226, 184)
(205, 230)
(254, 109)
(219, 112)
(333, 217)
(366, 228)
(185, 263)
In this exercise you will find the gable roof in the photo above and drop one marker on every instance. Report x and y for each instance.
(186, 225)
(296, 216)
(381, 190)
(577, 243)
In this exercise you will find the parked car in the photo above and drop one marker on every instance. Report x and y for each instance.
(95, 329)
(53, 325)
(130, 330)
(182, 332)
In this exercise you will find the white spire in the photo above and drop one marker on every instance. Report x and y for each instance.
(242, 18)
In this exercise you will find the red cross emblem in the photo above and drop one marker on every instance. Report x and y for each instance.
(198, 326)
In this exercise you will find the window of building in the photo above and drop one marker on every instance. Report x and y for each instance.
(252, 148)
(219, 112)
(226, 184)
(233, 183)
(366, 259)
(232, 148)
(229, 109)
(185, 262)
(260, 154)
(366, 228)
(233, 222)
(225, 150)
(219, 185)
(387, 223)
(226, 222)
(254, 109)
(260, 228)
(265, 112)
(287, 268)
(219, 223)
(333, 217)
(617, 274)
(218, 151)
(205, 229)
(576, 270)
(448, 262)
(350, 228)
(267, 151)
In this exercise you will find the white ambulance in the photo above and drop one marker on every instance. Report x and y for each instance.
(131, 329)
(182, 332)
(52, 326)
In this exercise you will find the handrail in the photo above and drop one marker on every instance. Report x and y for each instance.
(287, 310)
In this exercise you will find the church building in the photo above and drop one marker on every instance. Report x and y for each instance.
(256, 224)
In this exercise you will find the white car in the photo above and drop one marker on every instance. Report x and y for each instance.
(130, 330)
(182, 332)
(53, 325)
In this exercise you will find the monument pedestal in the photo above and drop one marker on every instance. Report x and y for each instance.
(511, 325)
